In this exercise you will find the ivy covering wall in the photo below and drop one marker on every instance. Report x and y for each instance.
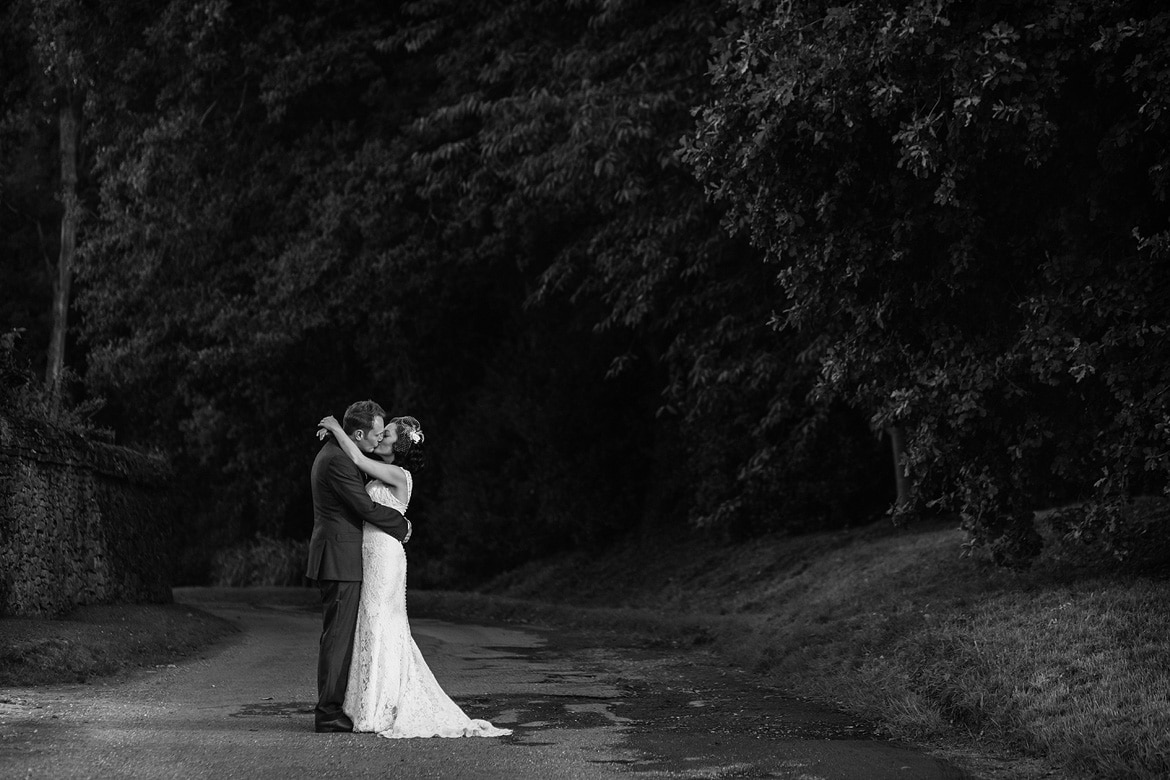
(80, 522)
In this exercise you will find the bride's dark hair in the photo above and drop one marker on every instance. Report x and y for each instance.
(408, 450)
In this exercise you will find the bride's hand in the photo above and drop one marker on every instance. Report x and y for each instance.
(329, 425)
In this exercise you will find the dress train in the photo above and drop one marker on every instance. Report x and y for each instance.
(391, 689)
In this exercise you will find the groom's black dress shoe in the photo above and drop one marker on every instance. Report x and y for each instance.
(339, 725)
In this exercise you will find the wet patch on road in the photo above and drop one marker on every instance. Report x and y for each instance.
(750, 712)
(691, 716)
(525, 713)
(286, 709)
(663, 691)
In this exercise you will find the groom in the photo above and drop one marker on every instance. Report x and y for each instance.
(340, 506)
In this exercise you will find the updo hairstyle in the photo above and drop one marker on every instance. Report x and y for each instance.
(408, 450)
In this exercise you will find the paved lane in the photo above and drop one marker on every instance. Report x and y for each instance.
(579, 711)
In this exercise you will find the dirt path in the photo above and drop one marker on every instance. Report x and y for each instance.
(244, 710)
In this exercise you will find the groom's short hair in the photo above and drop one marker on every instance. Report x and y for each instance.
(360, 416)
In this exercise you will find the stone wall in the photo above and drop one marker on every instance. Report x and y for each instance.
(80, 522)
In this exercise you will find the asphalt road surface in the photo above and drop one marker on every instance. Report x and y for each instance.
(243, 709)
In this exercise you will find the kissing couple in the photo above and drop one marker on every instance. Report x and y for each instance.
(371, 676)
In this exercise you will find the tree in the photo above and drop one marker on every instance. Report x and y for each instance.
(470, 213)
(63, 43)
(558, 143)
(27, 204)
(967, 204)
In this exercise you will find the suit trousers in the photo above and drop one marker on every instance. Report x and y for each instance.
(339, 601)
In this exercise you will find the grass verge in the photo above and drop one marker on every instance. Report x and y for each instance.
(1066, 663)
(102, 641)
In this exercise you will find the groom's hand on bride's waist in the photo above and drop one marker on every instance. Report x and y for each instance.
(409, 529)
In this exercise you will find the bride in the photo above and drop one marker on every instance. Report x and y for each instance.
(391, 689)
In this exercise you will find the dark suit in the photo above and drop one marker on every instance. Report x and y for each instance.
(340, 506)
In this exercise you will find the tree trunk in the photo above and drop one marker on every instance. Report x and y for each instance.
(70, 128)
(901, 481)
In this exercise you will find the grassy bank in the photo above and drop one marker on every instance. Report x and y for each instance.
(1066, 662)
(102, 641)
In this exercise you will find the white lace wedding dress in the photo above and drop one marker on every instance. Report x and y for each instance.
(391, 689)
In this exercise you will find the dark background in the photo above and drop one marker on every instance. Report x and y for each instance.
(670, 267)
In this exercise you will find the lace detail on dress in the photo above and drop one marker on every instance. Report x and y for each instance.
(384, 494)
(391, 689)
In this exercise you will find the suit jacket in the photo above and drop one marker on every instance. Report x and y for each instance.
(340, 506)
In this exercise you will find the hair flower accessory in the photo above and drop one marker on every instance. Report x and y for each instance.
(409, 432)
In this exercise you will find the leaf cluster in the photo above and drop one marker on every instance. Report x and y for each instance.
(966, 203)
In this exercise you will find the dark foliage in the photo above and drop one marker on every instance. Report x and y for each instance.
(967, 203)
(474, 215)
(948, 219)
